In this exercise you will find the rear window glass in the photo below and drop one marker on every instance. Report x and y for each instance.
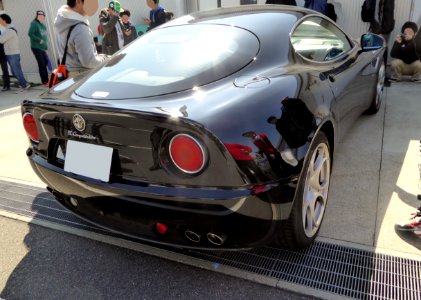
(173, 59)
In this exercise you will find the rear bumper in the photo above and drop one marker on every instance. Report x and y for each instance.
(242, 217)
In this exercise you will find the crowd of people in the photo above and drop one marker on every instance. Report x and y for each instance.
(84, 51)
(115, 30)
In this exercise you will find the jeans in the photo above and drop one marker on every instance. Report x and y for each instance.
(42, 66)
(14, 62)
(5, 71)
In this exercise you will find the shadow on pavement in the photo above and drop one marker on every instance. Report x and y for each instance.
(64, 266)
(409, 237)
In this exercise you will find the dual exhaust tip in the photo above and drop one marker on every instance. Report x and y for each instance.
(213, 238)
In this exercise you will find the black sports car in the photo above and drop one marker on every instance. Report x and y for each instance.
(215, 130)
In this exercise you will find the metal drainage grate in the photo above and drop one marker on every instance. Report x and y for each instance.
(336, 269)
(340, 270)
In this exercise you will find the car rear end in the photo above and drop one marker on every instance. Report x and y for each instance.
(128, 171)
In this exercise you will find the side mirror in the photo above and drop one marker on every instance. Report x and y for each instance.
(371, 41)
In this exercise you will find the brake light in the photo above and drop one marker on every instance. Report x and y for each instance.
(161, 228)
(30, 127)
(187, 154)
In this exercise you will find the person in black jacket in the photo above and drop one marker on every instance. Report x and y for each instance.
(111, 28)
(285, 2)
(4, 69)
(157, 15)
(382, 22)
(129, 29)
(317, 5)
(405, 57)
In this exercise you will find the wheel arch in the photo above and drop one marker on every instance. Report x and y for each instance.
(329, 130)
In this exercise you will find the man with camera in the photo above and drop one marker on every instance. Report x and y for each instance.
(111, 28)
(405, 57)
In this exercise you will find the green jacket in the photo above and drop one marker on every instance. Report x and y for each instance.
(37, 33)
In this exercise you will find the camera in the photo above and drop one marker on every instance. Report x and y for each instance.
(126, 28)
(403, 37)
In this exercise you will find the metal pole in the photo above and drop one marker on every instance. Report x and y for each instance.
(51, 15)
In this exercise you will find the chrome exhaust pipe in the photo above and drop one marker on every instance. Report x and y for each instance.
(192, 236)
(74, 202)
(216, 239)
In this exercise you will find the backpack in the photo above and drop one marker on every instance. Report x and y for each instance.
(388, 18)
(330, 11)
(368, 10)
(60, 73)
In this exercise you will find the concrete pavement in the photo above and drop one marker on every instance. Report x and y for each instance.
(375, 176)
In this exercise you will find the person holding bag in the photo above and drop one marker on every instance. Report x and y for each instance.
(81, 50)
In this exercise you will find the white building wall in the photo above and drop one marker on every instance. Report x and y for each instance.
(23, 12)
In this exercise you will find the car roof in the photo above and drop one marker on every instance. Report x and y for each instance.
(241, 15)
(271, 24)
(222, 13)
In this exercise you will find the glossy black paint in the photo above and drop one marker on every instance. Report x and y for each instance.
(256, 124)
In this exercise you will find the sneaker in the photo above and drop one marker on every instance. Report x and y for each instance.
(25, 88)
(416, 79)
(413, 226)
(5, 89)
(394, 79)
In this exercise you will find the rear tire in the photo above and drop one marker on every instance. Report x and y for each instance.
(306, 217)
(378, 94)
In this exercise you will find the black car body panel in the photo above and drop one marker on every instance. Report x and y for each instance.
(255, 120)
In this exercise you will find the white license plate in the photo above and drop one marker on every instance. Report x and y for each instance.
(88, 160)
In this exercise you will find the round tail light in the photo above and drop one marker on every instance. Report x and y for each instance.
(187, 154)
(30, 127)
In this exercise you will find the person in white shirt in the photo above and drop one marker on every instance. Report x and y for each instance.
(10, 40)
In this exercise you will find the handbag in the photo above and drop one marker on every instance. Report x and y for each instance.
(60, 73)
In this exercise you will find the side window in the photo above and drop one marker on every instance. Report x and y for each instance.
(319, 39)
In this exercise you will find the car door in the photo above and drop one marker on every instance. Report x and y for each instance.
(337, 58)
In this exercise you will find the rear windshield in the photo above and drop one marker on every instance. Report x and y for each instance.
(173, 59)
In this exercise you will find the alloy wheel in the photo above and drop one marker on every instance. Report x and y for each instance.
(316, 190)
(381, 76)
